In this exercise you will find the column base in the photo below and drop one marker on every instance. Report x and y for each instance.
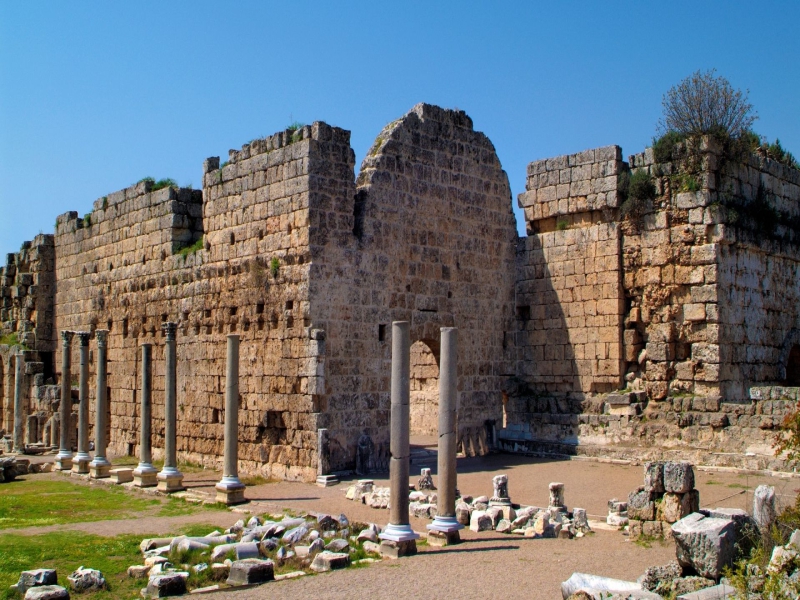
(63, 463)
(170, 481)
(327, 480)
(145, 476)
(495, 501)
(230, 497)
(99, 471)
(80, 465)
(392, 549)
(443, 538)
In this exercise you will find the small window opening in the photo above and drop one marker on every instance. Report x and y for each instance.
(233, 311)
(233, 239)
(260, 308)
(381, 333)
(524, 313)
(289, 304)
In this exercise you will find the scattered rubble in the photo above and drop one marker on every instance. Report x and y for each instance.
(667, 496)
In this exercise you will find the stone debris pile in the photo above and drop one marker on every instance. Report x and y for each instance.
(12, 467)
(667, 496)
(484, 513)
(42, 584)
(249, 553)
(707, 541)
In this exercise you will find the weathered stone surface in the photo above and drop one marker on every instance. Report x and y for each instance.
(658, 579)
(480, 521)
(138, 571)
(678, 477)
(87, 580)
(595, 583)
(716, 592)
(162, 586)
(337, 545)
(36, 577)
(47, 592)
(654, 477)
(764, 506)
(463, 513)
(641, 505)
(327, 561)
(251, 570)
(425, 481)
(704, 544)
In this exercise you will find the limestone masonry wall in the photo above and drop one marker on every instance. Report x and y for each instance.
(663, 327)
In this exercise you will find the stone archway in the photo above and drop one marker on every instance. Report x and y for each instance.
(793, 367)
(424, 399)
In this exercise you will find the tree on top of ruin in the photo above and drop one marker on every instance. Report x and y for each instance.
(706, 104)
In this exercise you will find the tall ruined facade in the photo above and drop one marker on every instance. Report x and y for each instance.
(682, 306)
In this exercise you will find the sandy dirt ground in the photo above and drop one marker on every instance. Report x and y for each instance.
(485, 565)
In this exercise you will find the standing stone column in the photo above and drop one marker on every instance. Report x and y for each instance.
(445, 526)
(398, 539)
(64, 456)
(80, 464)
(19, 417)
(100, 468)
(230, 490)
(144, 475)
(170, 479)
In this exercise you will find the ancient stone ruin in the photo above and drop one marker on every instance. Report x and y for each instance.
(622, 326)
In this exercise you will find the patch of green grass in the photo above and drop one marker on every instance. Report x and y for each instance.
(160, 184)
(274, 266)
(34, 503)
(738, 486)
(9, 339)
(65, 551)
(712, 482)
(87, 219)
(190, 249)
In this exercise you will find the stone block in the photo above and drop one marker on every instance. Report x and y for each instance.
(704, 544)
(47, 592)
(678, 477)
(163, 586)
(480, 520)
(641, 505)
(36, 577)
(250, 571)
(654, 477)
(121, 475)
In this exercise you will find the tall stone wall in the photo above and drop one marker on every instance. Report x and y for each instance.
(250, 277)
(569, 301)
(429, 239)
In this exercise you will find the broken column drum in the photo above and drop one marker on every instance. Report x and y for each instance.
(100, 467)
(19, 422)
(80, 463)
(230, 490)
(500, 496)
(144, 475)
(64, 456)
(398, 537)
(170, 479)
(445, 526)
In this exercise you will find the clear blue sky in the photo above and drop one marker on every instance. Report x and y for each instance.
(96, 95)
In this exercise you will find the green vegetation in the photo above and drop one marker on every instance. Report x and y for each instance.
(704, 104)
(185, 251)
(664, 146)
(160, 184)
(296, 127)
(105, 202)
(562, 225)
(65, 551)
(87, 219)
(9, 339)
(274, 266)
(637, 190)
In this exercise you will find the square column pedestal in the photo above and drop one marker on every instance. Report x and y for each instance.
(398, 541)
(327, 480)
(145, 476)
(230, 491)
(63, 463)
(99, 471)
(170, 481)
(444, 531)
(80, 464)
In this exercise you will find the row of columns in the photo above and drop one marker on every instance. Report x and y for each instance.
(398, 539)
(230, 489)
